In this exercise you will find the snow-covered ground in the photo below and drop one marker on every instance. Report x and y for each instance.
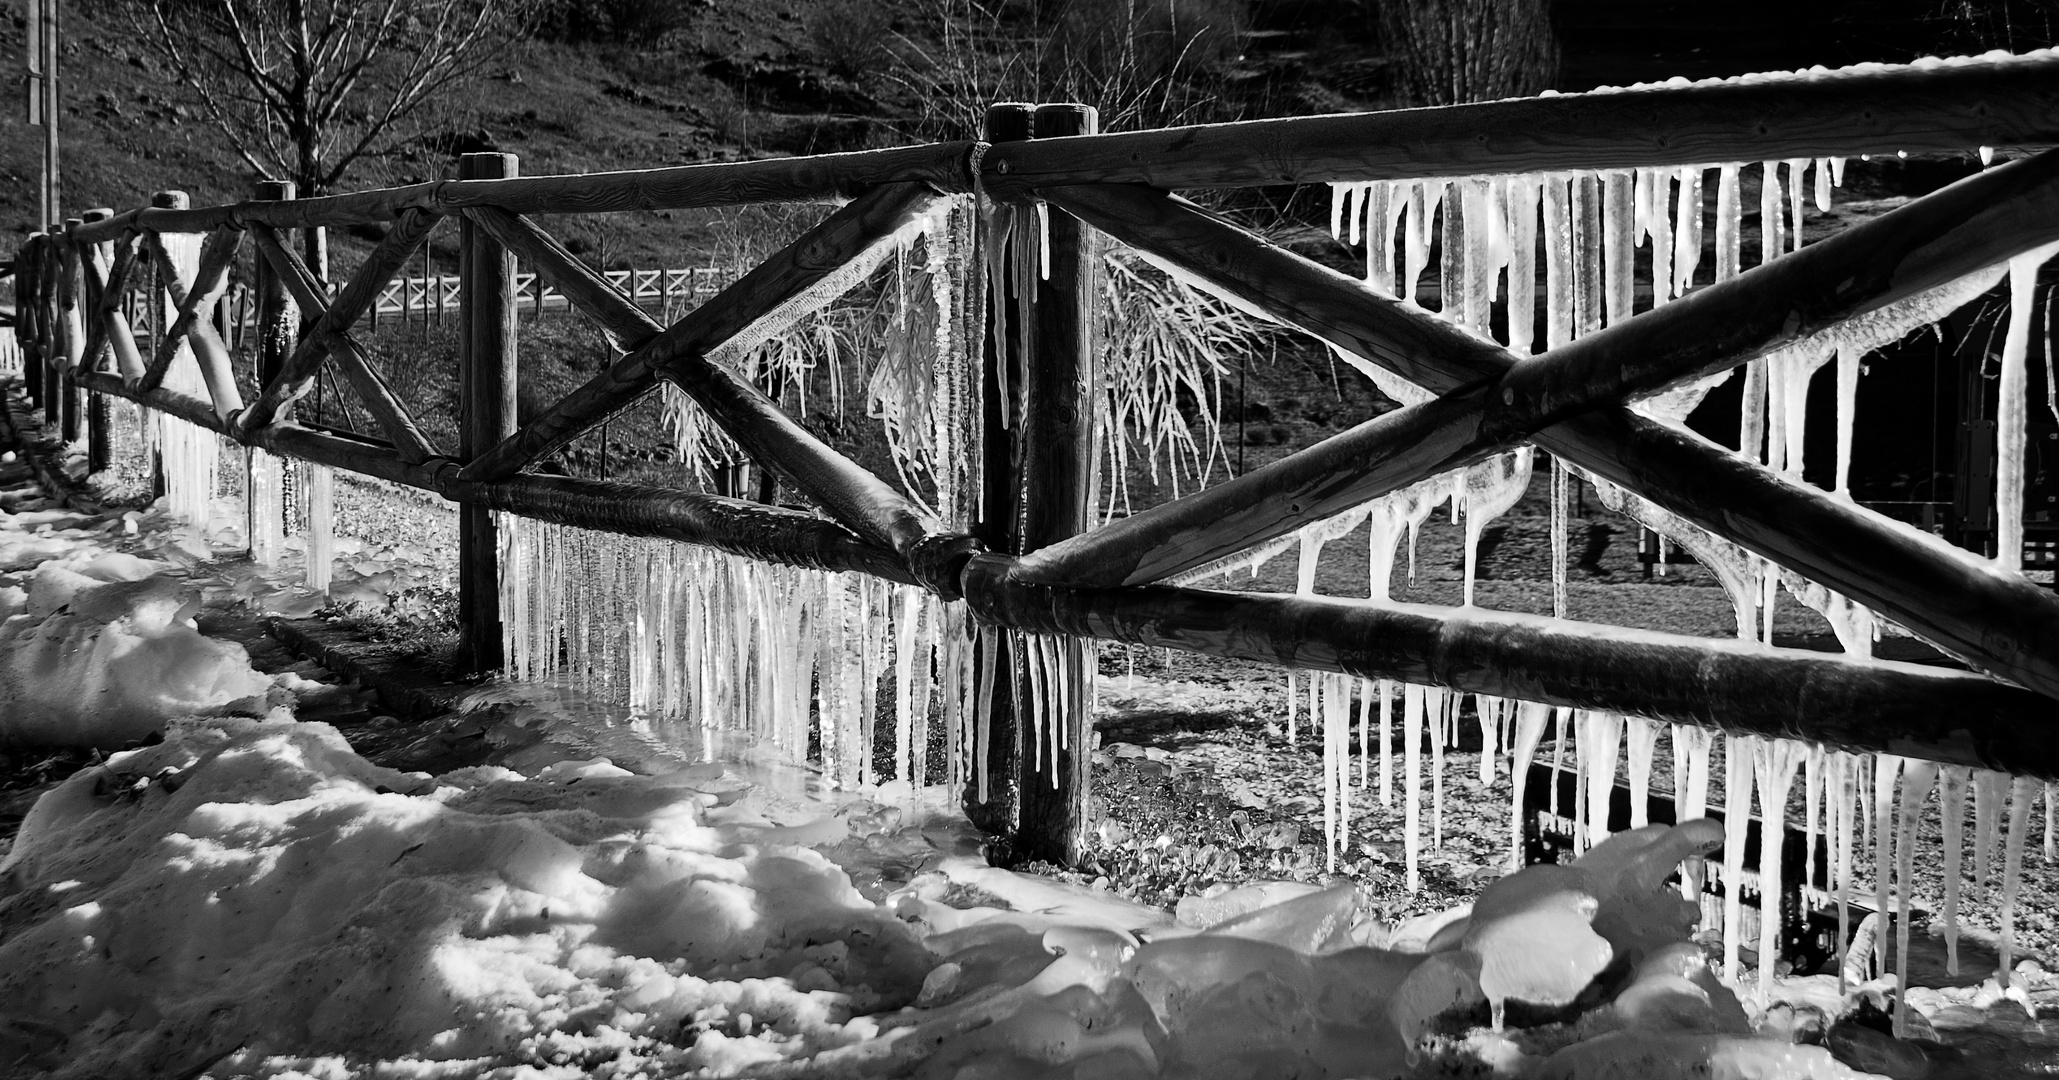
(247, 896)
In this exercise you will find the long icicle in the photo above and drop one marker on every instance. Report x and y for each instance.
(1885, 768)
(2021, 793)
(1952, 807)
(1530, 718)
(1776, 760)
(1917, 779)
(1737, 814)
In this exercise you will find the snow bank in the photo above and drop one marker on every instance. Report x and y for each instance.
(251, 896)
(254, 884)
(104, 654)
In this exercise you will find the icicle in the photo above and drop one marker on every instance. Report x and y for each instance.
(1775, 760)
(1917, 779)
(1451, 268)
(1586, 221)
(1843, 782)
(1561, 718)
(1823, 179)
(1387, 691)
(1491, 488)
(1642, 740)
(1619, 242)
(321, 526)
(1558, 263)
(1412, 781)
(1366, 693)
(1812, 810)
(2049, 821)
(1379, 238)
(1728, 222)
(1989, 791)
(1293, 702)
(1423, 196)
(1737, 814)
(1561, 497)
(1340, 197)
(1952, 807)
(2011, 413)
(1987, 156)
(1523, 193)
(2021, 794)
(1687, 230)
(1485, 251)
(1770, 212)
(1601, 743)
(1487, 710)
(1530, 717)
(1797, 195)
(1661, 227)
(1847, 407)
(1885, 768)
(1436, 703)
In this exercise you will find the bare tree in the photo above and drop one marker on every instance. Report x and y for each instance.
(1449, 51)
(306, 88)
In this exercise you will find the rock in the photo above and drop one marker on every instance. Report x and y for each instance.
(1872, 1051)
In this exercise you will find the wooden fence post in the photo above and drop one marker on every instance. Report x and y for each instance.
(71, 330)
(486, 412)
(98, 413)
(1057, 456)
(992, 798)
(28, 292)
(278, 318)
(278, 332)
(49, 313)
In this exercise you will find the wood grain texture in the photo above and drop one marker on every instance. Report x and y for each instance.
(1861, 705)
(1978, 222)
(345, 352)
(816, 178)
(1997, 621)
(1878, 110)
(297, 375)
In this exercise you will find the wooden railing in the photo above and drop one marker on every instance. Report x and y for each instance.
(1030, 564)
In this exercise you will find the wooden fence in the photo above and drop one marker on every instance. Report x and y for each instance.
(1031, 563)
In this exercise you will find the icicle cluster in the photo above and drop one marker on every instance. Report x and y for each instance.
(694, 641)
(1569, 244)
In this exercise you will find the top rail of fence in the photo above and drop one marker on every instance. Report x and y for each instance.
(1995, 100)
